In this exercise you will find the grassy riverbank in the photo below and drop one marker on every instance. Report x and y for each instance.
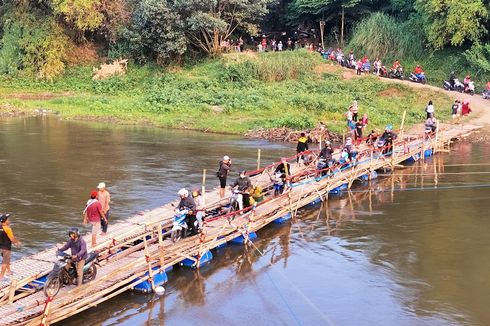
(234, 94)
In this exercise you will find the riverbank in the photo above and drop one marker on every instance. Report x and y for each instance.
(237, 94)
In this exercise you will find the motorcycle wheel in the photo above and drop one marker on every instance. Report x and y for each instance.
(90, 274)
(52, 286)
(176, 235)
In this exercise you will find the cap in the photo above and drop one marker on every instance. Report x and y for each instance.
(4, 217)
(94, 193)
(226, 158)
(101, 185)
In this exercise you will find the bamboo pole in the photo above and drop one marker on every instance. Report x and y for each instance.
(47, 311)
(203, 189)
(258, 159)
(402, 124)
(148, 259)
(13, 286)
(160, 245)
(437, 138)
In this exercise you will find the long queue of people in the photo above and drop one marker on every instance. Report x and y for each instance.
(364, 66)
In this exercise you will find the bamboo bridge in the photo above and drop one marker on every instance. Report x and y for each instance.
(140, 251)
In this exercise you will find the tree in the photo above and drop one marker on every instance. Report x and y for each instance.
(156, 32)
(330, 10)
(207, 23)
(452, 21)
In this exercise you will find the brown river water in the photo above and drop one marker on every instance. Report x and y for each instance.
(408, 249)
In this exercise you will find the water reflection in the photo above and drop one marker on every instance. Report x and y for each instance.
(399, 252)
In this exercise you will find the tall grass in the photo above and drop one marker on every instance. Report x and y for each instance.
(380, 35)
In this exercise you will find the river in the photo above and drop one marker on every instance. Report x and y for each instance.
(396, 252)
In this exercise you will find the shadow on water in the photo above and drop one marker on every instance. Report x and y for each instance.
(406, 249)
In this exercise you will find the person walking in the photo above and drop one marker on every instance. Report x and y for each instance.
(7, 238)
(301, 146)
(104, 197)
(222, 174)
(93, 214)
(429, 110)
(354, 108)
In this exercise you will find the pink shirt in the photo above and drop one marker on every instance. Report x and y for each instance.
(104, 198)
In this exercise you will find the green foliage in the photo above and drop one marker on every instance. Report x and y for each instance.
(35, 44)
(382, 36)
(208, 22)
(198, 96)
(291, 121)
(156, 32)
(10, 51)
(479, 57)
(44, 47)
(452, 21)
(83, 14)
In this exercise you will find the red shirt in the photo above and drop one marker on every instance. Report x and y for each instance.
(418, 70)
(94, 211)
(488, 86)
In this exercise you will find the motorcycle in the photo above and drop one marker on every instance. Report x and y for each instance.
(61, 276)
(486, 94)
(458, 86)
(323, 164)
(470, 88)
(397, 73)
(422, 79)
(383, 72)
(179, 225)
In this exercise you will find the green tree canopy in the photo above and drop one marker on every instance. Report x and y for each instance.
(206, 23)
(452, 21)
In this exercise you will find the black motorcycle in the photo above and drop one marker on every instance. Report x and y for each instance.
(397, 73)
(61, 276)
(455, 86)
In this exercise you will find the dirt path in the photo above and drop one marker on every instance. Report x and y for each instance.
(480, 107)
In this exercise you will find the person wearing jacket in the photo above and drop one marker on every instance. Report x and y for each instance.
(243, 185)
(222, 174)
(301, 146)
(78, 249)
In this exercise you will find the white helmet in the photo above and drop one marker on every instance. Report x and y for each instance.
(183, 192)
(226, 158)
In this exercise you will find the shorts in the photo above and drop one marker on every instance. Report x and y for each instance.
(5, 256)
(96, 228)
(222, 182)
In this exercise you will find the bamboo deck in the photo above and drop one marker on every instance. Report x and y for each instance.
(122, 270)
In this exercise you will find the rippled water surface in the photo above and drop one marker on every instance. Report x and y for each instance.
(396, 252)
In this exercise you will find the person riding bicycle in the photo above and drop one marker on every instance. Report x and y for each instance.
(78, 248)
(188, 203)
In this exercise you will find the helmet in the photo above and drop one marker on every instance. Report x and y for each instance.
(195, 193)
(226, 158)
(327, 143)
(183, 192)
(4, 217)
(389, 127)
(73, 231)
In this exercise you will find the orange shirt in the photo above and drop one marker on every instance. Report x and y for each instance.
(104, 198)
(9, 232)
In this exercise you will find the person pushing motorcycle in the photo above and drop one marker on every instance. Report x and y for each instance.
(78, 248)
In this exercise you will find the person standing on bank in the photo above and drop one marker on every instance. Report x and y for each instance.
(93, 214)
(224, 168)
(430, 110)
(104, 197)
(7, 238)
